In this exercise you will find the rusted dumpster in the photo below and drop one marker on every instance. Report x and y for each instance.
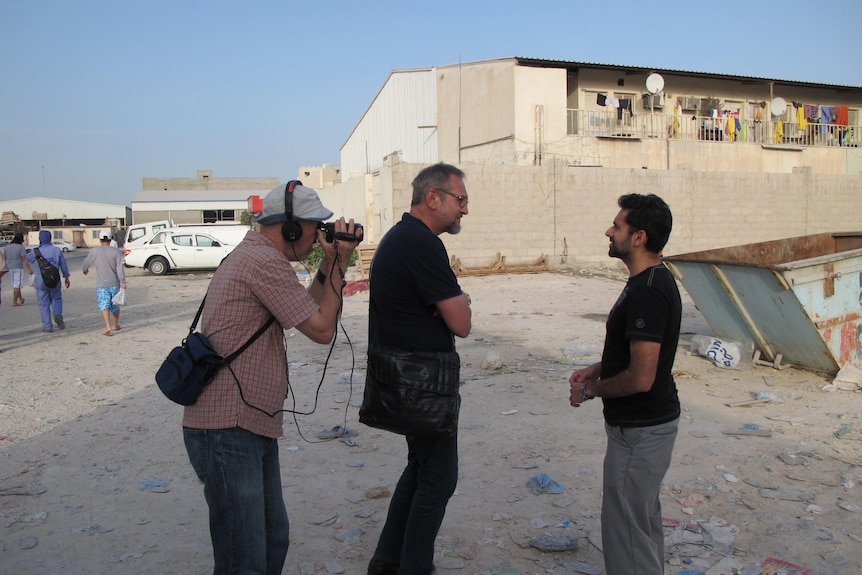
(798, 299)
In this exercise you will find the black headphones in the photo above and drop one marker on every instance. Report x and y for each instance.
(290, 230)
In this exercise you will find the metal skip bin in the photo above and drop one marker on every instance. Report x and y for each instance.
(798, 299)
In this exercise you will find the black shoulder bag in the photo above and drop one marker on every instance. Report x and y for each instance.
(190, 367)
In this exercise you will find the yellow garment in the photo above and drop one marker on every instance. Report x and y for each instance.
(676, 122)
(759, 114)
(800, 118)
(778, 135)
(731, 128)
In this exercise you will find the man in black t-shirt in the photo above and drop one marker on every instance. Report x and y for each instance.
(634, 380)
(416, 305)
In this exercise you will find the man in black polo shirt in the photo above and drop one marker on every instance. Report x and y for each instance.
(416, 305)
(634, 380)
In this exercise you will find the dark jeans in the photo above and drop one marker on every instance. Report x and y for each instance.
(418, 504)
(242, 485)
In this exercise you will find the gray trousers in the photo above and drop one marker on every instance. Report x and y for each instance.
(636, 461)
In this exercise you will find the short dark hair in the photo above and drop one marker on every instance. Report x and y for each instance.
(651, 214)
(434, 176)
(18, 238)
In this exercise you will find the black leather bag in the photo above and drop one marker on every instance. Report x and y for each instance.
(412, 393)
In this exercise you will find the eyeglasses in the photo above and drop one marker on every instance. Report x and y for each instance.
(462, 200)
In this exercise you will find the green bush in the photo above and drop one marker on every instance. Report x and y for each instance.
(316, 256)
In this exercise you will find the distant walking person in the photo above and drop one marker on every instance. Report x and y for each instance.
(50, 299)
(16, 261)
(635, 381)
(110, 277)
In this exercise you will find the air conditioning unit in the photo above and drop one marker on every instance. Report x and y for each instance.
(690, 103)
(656, 99)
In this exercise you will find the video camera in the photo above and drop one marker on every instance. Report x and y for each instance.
(330, 234)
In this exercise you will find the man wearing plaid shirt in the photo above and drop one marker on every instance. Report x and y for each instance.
(231, 432)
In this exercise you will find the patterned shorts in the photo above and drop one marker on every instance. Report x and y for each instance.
(105, 295)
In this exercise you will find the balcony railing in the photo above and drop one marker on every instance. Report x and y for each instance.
(706, 128)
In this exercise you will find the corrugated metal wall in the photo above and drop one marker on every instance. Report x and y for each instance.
(402, 118)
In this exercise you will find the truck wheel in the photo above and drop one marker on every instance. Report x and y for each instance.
(158, 266)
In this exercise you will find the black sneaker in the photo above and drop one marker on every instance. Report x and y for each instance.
(60, 323)
(378, 567)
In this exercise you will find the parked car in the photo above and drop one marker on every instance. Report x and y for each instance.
(4, 243)
(173, 250)
(64, 245)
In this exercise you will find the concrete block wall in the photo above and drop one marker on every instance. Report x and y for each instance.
(522, 212)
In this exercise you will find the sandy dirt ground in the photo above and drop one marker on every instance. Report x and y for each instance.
(94, 478)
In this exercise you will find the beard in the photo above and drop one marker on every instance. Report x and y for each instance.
(453, 228)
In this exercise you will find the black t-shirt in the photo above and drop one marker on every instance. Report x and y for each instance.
(410, 273)
(649, 308)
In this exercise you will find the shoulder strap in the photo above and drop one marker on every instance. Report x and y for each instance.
(244, 346)
(250, 341)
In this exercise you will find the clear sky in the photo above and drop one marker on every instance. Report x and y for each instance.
(97, 94)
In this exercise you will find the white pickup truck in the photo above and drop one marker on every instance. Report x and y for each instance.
(174, 249)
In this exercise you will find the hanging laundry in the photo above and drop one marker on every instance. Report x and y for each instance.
(800, 117)
(825, 118)
(601, 99)
(624, 105)
(810, 111)
(778, 134)
(842, 116)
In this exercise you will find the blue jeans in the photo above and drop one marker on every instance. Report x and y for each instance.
(50, 300)
(242, 485)
(418, 504)
(636, 461)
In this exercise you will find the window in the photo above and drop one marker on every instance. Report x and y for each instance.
(207, 242)
(215, 216)
(182, 240)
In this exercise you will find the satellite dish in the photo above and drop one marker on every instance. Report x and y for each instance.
(654, 83)
(779, 106)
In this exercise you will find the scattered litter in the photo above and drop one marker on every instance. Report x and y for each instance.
(848, 378)
(542, 483)
(291, 448)
(724, 353)
(451, 563)
(785, 494)
(333, 567)
(349, 536)
(36, 517)
(154, 485)
(816, 509)
(337, 431)
(539, 523)
(769, 395)
(555, 543)
(377, 493)
(354, 463)
(348, 442)
(28, 543)
(324, 519)
(843, 430)
(509, 412)
(750, 432)
(847, 506)
(23, 490)
(787, 568)
(852, 477)
(493, 361)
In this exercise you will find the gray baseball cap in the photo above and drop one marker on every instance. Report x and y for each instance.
(306, 206)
